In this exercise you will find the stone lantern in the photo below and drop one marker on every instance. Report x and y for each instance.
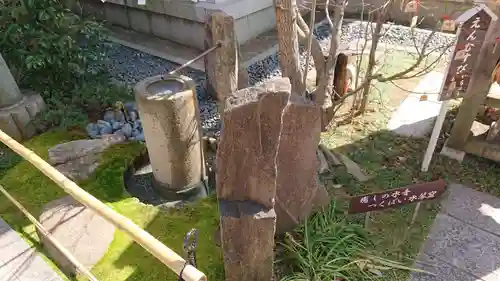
(17, 109)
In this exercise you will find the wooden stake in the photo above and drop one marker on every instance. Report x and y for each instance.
(221, 65)
(168, 257)
(80, 267)
(367, 219)
(435, 135)
(415, 213)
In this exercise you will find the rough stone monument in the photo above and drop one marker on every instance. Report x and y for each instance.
(168, 108)
(266, 155)
(17, 110)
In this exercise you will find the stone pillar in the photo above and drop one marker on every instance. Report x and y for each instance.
(168, 108)
(17, 110)
(222, 65)
(246, 174)
(266, 154)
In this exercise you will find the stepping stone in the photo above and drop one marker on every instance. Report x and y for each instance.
(479, 209)
(463, 246)
(416, 118)
(80, 230)
(437, 270)
(19, 261)
(464, 241)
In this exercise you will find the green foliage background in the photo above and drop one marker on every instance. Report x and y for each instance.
(59, 54)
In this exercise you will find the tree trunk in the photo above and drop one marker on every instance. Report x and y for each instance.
(371, 59)
(288, 44)
(322, 95)
(9, 91)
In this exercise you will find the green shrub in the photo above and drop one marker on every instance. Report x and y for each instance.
(59, 54)
(47, 46)
(67, 111)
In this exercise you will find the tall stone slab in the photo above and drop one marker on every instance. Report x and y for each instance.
(246, 179)
(266, 155)
(297, 174)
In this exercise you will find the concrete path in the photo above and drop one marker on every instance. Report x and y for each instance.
(464, 241)
(19, 262)
(415, 118)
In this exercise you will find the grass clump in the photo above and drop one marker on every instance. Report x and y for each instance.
(125, 260)
(330, 247)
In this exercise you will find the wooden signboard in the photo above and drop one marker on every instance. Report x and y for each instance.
(471, 33)
(397, 197)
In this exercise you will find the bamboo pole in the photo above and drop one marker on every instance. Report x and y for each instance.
(168, 257)
(80, 267)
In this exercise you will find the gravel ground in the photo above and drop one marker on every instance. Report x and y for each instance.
(129, 65)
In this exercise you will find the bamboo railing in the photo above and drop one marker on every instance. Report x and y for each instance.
(164, 254)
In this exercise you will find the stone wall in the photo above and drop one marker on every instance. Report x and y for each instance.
(183, 21)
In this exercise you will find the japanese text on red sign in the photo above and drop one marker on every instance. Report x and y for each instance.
(471, 37)
(397, 197)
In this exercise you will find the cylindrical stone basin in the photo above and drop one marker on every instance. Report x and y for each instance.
(168, 108)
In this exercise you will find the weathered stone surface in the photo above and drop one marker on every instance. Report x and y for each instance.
(168, 108)
(297, 182)
(247, 149)
(247, 234)
(20, 261)
(15, 120)
(82, 232)
(78, 159)
(9, 91)
(464, 246)
(248, 146)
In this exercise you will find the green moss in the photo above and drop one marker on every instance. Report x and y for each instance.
(125, 260)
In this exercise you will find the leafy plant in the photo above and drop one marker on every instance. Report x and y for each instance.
(67, 111)
(46, 45)
(326, 248)
(59, 54)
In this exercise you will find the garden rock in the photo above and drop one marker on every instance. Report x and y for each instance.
(78, 159)
(247, 150)
(81, 231)
(115, 121)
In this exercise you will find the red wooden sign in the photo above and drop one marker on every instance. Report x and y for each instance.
(397, 197)
(471, 34)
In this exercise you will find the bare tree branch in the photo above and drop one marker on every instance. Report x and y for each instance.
(288, 45)
(309, 43)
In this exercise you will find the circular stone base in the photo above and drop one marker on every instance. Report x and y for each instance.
(140, 183)
(80, 230)
(15, 120)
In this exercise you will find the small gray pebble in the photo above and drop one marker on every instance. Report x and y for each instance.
(138, 125)
(127, 130)
(117, 125)
(130, 106)
(135, 132)
(93, 130)
(109, 116)
(102, 124)
(140, 137)
(119, 116)
(132, 115)
(106, 130)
